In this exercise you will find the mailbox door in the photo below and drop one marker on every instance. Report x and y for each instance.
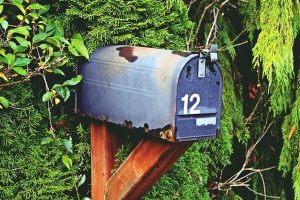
(198, 105)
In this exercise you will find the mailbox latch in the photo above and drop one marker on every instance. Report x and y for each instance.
(202, 59)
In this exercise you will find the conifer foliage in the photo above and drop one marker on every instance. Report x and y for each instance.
(146, 23)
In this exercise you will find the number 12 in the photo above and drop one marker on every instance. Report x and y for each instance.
(193, 109)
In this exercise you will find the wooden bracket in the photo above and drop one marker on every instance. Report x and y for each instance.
(149, 160)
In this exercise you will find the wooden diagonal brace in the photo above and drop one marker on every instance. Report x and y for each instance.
(150, 159)
(145, 165)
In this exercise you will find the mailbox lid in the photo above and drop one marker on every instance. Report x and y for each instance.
(136, 84)
(198, 106)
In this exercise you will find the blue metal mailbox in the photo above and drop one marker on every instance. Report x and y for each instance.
(169, 94)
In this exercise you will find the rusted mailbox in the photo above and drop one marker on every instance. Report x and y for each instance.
(169, 94)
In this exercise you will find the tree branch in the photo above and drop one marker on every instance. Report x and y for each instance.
(201, 19)
(237, 180)
(215, 21)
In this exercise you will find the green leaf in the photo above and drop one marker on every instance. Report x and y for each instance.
(44, 46)
(61, 39)
(50, 51)
(1, 1)
(12, 45)
(20, 62)
(67, 94)
(20, 6)
(20, 17)
(73, 50)
(47, 96)
(82, 180)
(50, 25)
(77, 42)
(3, 59)
(53, 41)
(39, 37)
(58, 71)
(46, 140)
(58, 31)
(20, 70)
(67, 161)
(1, 8)
(64, 92)
(2, 52)
(20, 30)
(34, 15)
(20, 49)
(4, 102)
(73, 81)
(68, 144)
(36, 7)
(18, 1)
(10, 59)
(86, 198)
(16, 48)
(4, 24)
(22, 41)
(3, 75)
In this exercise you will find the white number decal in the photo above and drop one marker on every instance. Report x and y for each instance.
(193, 109)
(185, 103)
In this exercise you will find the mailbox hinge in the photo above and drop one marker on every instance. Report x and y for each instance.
(202, 59)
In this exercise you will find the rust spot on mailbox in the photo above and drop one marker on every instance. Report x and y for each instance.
(159, 91)
(127, 53)
(182, 53)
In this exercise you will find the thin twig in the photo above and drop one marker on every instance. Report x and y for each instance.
(230, 47)
(215, 21)
(77, 193)
(264, 133)
(191, 3)
(48, 104)
(243, 181)
(264, 185)
(264, 195)
(201, 19)
(254, 171)
(251, 116)
(236, 38)
(14, 83)
(239, 35)
(213, 26)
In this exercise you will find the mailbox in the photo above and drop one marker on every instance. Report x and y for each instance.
(173, 95)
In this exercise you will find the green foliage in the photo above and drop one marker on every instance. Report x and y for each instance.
(289, 157)
(296, 19)
(251, 12)
(31, 167)
(32, 44)
(296, 178)
(144, 22)
(273, 51)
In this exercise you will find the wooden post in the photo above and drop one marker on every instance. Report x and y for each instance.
(104, 145)
(150, 159)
